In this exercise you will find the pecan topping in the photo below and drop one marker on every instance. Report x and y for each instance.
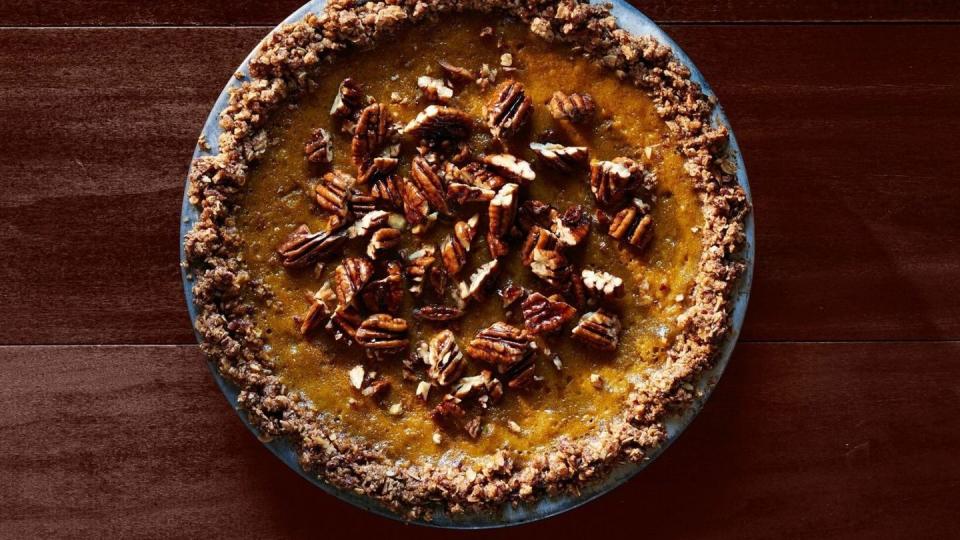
(388, 192)
(611, 181)
(477, 174)
(430, 184)
(385, 295)
(510, 167)
(382, 242)
(333, 192)
(457, 73)
(434, 89)
(415, 204)
(303, 248)
(317, 314)
(447, 411)
(348, 101)
(574, 107)
(445, 362)
(541, 252)
(377, 169)
(560, 157)
(361, 204)
(377, 388)
(418, 267)
(476, 287)
(350, 277)
(510, 294)
(319, 148)
(438, 123)
(347, 319)
(509, 109)
(521, 375)
(483, 384)
(632, 225)
(455, 248)
(542, 315)
(501, 345)
(437, 313)
(603, 284)
(533, 212)
(373, 129)
(501, 213)
(464, 194)
(598, 329)
(382, 335)
(368, 222)
(572, 226)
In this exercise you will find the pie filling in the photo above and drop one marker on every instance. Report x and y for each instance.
(471, 239)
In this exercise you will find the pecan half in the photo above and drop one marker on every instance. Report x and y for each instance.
(572, 226)
(560, 157)
(388, 192)
(385, 295)
(598, 329)
(602, 284)
(377, 169)
(350, 277)
(382, 242)
(632, 225)
(480, 281)
(455, 248)
(434, 89)
(509, 109)
(500, 345)
(382, 335)
(437, 123)
(333, 192)
(319, 148)
(510, 167)
(430, 184)
(418, 267)
(611, 181)
(501, 213)
(542, 315)
(437, 313)
(348, 101)
(416, 207)
(456, 73)
(574, 107)
(361, 204)
(483, 384)
(303, 248)
(445, 362)
(373, 129)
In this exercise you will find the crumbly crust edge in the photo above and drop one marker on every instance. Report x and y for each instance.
(282, 69)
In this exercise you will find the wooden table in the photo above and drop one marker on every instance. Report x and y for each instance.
(838, 415)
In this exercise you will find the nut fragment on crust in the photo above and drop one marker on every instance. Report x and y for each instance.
(572, 226)
(602, 284)
(419, 264)
(382, 335)
(437, 313)
(382, 242)
(434, 89)
(430, 184)
(350, 277)
(385, 295)
(373, 128)
(445, 362)
(509, 109)
(333, 192)
(501, 213)
(481, 279)
(510, 167)
(455, 248)
(319, 148)
(456, 73)
(423, 390)
(598, 329)
(356, 377)
(632, 225)
(348, 101)
(573, 107)
(597, 381)
(303, 248)
(542, 315)
(612, 181)
(437, 122)
(501, 345)
(560, 157)
(514, 427)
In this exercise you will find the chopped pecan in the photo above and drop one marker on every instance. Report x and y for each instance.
(522, 374)
(430, 184)
(361, 204)
(598, 329)
(372, 132)
(317, 315)
(437, 313)
(480, 281)
(510, 167)
(383, 335)
(456, 73)
(333, 192)
(377, 169)
(385, 295)
(501, 213)
(509, 109)
(477, 174)
(483, 384)
(347, 319)
(455, 248)
(447, 411)
(473, 427)
(350, 277)
(382, 242)
(611, 181)
(510, 294)
(574, 107)
(434, 89)
(560, 157)
(464, 194)
(436, 123)
(445, 362)
(572, 226)
(541, 252)
(534, 212)
(319, 148)
(501, 345)
(632, 225)
(370, 221)
(602, 284)
(377, 388)
(418, 268)
(388, 192)
(416, 207)
(542, 315)
(303, 248)
(348, 101)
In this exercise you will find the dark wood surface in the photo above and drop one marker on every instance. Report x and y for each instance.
(836, 417)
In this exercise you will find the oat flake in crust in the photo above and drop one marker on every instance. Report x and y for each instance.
(282, 69)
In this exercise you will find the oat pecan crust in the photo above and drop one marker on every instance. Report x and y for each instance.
(281, 69)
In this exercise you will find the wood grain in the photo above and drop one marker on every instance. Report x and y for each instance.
(251, 12)
(799, 440)
(845, 132)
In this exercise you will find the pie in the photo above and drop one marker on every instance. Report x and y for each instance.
(464, 253)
